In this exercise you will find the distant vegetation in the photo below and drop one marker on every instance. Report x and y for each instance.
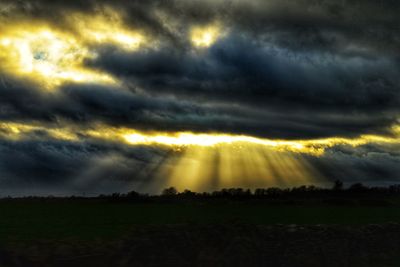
(303, 192)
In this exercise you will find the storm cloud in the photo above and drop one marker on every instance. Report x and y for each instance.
(282, 70)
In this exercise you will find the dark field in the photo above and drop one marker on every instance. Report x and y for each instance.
(202, 233)
(87, 219)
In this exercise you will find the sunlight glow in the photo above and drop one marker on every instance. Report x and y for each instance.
(183, 140)
(106, 28)
(19, 131)
(47, 56)
(192, 139)
(313, 146)
(205, 161)
(205, 36)
(53, 56)
(227, 166)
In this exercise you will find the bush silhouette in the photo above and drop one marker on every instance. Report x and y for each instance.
(338, 185)
(171, 191)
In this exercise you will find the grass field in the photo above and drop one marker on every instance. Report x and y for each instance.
(94, 232)
(88, 219)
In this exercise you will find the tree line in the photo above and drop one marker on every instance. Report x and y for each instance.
(305, 191)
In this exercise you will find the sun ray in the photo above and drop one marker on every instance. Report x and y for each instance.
(206, 161)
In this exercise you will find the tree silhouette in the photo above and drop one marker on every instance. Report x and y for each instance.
(338, 185)
(358, 188)
(132, 194)
(171, 191)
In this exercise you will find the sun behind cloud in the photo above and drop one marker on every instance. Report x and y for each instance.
(205, 36)
(52, 56)
(47, 56)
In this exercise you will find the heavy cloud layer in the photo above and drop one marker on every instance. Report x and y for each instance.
(279, 69)
(306, 68)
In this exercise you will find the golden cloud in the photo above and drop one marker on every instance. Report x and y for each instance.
(205, 36)
(179, 140)
(52, 56)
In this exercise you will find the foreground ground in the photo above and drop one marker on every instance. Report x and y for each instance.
(210, 233)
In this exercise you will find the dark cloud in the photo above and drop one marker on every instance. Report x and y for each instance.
(92, 167)
(282, 69)
(370, 164)
(87, 105)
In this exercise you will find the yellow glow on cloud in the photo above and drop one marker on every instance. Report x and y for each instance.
(203, 161)
(53, 56)
(205, 36)
(180, 140)
(206, 140)
(46, 55)
(314, 146)
(106, 28)
(19, 131)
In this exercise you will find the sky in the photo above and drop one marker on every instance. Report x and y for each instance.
(111, 96)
